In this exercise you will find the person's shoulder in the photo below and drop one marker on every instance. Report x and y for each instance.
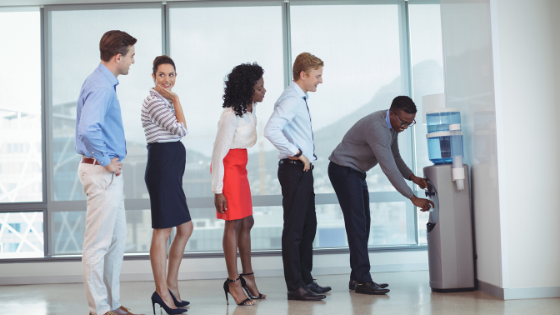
(228, 114)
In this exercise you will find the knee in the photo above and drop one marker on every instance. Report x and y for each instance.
(248, 223)
(185, 230)
(232, 226)
(161, 234)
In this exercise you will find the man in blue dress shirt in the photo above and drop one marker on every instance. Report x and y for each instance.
(101, 143)
(290, 131)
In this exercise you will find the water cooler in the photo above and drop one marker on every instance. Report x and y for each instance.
(450, 239)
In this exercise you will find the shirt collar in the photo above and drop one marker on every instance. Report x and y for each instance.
(298, 89)
(112, 79)
(388, 120)
(158, 95)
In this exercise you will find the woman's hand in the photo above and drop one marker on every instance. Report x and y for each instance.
(221, 203)
(168, 94)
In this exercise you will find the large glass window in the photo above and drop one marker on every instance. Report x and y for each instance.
(372, 53)
(73, 48)
(206, 43)
(427, 77)
(21, 177)
(362, 48)
(21, 234)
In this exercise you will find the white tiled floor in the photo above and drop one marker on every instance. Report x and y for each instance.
(410, 294)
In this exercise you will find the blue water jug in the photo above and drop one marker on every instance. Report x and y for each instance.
(445, 138)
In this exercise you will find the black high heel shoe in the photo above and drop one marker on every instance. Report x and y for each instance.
(177, 302)
(226, 291)
(244, 284)
(157, 299)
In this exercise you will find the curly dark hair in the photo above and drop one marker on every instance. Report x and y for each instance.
(239, 86)
(405, 103)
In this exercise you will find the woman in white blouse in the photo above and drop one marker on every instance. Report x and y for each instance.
(237, 131)
(164, 125)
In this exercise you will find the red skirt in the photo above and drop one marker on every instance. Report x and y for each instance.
(236, 186)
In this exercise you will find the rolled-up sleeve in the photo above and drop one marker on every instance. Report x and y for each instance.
(283, 114)
(90, 128)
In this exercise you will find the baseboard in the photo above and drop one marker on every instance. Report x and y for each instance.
(131, 277)
(491, 289)
(518, 293)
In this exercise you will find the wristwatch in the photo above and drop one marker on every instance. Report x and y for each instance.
(299, 153)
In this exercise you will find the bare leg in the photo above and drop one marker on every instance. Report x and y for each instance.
(158, 258)
(245, 253)
(184, 232)
(230, 243)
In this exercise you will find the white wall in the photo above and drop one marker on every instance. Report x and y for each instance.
(467, 48)
(527, 45)
(502, 71)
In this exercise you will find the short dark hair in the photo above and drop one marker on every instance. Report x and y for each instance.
(405, 104)
(113, 43)
(161, 60)
(240, 86)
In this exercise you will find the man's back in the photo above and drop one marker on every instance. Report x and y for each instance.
(370, 142)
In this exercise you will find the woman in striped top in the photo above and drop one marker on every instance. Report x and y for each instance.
(164, 126)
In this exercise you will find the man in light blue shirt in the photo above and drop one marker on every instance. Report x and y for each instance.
(290, 130)
(101, 143)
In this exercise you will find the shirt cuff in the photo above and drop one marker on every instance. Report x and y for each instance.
(294, 150)
(103, 160)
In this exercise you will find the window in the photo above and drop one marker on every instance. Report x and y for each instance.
(21, 177)
(362, 48)
(21, 234)
(427, 77)
(373, 51)
(73, 47)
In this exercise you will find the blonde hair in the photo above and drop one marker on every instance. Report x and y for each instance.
(305, 62)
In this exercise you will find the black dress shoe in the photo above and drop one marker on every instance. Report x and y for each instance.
(304, 294)
(315, 287)
(352, 285)
(370, 288)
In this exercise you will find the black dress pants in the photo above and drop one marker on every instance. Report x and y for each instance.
(300, 224)
(352, 191)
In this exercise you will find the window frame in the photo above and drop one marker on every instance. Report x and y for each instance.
(48, 207)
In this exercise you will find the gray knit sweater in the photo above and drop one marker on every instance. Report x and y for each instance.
(369, 142)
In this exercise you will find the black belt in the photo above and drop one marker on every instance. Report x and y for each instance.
(296, 162)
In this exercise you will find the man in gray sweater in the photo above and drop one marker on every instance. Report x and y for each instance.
(372, 140)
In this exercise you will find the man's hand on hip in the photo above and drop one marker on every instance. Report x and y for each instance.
(114, 167)
(305, 160)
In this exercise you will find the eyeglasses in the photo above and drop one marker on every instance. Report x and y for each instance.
(405, 124)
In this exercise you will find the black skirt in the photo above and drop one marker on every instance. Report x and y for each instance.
(164, 179)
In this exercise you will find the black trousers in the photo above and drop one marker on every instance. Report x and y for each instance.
(300, 224)
(352, 191)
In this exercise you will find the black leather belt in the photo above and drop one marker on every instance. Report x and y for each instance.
(296, 162)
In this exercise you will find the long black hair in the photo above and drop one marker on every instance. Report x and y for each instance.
(239, 86)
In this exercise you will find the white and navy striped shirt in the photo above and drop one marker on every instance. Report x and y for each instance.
(159, 120)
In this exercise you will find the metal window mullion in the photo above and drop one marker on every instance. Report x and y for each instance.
(45, 47)
(166, 49)
(287, 43)
(406, 70)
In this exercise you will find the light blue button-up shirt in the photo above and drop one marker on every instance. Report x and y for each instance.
(289, 128)
(99, 127)
(388, 120)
